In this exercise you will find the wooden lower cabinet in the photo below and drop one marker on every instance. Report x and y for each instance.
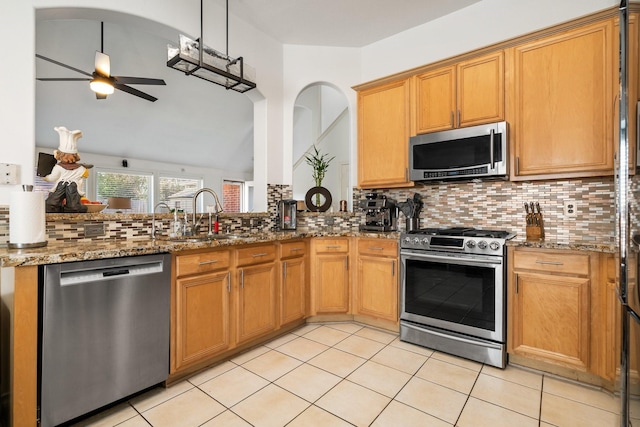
(294, 283)
(559, 312)
(201, 307)
(377, 279)
(256, 302)
(330, 275)
(202, 317)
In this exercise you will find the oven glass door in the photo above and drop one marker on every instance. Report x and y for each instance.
(457, 292)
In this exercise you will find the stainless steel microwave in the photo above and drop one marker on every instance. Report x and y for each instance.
(465, 153)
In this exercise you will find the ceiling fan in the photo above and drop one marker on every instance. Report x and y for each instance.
(101, 81)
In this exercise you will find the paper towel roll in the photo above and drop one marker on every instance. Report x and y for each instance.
(27, 226)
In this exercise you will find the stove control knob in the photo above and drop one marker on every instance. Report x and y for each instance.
(482, 244)
(425, 241)
(416, 240)
(407, 239)
(471, 243)
(494, 246)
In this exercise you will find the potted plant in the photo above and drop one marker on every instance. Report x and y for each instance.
(320, 164)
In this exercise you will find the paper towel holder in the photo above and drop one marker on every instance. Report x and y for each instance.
(11, 245)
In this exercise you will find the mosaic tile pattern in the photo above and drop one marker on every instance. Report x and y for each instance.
(499, 205)
(488, 204)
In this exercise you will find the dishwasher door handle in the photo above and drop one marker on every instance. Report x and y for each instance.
(115, 273)
(79, 277)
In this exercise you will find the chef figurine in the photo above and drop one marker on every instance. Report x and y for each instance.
(68, 174)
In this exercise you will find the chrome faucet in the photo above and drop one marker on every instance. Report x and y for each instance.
(153, 219)
(218, 207)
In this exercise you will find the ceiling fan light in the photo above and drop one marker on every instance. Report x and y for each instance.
(101, 86)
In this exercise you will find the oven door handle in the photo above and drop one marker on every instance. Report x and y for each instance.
(455, 259)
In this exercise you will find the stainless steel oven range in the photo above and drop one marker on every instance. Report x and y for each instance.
(453, 292)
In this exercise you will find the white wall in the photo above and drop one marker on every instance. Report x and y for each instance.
(17, 93)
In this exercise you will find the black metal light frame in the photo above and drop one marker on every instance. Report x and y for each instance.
(200, 69)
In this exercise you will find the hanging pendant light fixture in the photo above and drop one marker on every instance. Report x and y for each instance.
(209, 64)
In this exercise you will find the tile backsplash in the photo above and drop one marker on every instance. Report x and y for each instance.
(482, 204)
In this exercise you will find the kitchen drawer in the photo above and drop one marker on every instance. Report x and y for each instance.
(203, 262)
(378, 247)
(256, 254)
(292, 249)
(331, 245)
(551, 262)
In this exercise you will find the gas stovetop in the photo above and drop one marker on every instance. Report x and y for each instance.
(457, 239)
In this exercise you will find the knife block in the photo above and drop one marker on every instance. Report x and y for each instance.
(536, 232)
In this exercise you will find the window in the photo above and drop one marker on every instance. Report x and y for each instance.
(178, 192)
(136, 186)
(232, 196)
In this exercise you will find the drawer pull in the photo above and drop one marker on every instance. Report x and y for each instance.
(295, 249)
(259, 255)
(375, 248)
(213, 261)
(333, 246)
(549, 262)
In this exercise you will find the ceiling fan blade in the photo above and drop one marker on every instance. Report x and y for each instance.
(53, 61)
(103, 64)
(138, 81)
(63, 79)
(135, 92)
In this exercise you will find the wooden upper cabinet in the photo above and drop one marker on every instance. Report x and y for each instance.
(563, 99)
(466, 94)
(383, 135)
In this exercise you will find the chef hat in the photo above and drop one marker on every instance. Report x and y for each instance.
(68, 139)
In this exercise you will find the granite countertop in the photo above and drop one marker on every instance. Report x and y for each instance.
(99, 249)
(575, 245)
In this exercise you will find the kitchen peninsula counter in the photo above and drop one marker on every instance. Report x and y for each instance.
(99, 249)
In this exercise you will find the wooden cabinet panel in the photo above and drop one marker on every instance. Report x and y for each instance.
(551, 262)
(552, 319)
(564, 95)
(293, 290)
(383, 135)
(331, 282)
(436, 100)
(203, 262)
(202, 312)
(256, 302)
(255, 255)
(480, 96)
(377, 287)
(293, 249)
(466, 94)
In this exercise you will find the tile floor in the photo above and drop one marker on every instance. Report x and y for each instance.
(347, 374)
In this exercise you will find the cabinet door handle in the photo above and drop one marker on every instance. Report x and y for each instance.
(346, 262)
(212, 261)
(242, 279)
(229, 282)
(284, 272)
(453, 124)
(259, 255)
(549, 262)
(393, 268)
(458, 118)
(517, 165)
(516, 284)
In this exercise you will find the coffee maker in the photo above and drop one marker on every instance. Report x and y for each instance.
(381, 214)
(287, 210)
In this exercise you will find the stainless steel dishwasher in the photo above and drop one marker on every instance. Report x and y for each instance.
(104, 333)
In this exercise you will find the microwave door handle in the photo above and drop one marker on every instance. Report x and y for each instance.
(493, 166)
